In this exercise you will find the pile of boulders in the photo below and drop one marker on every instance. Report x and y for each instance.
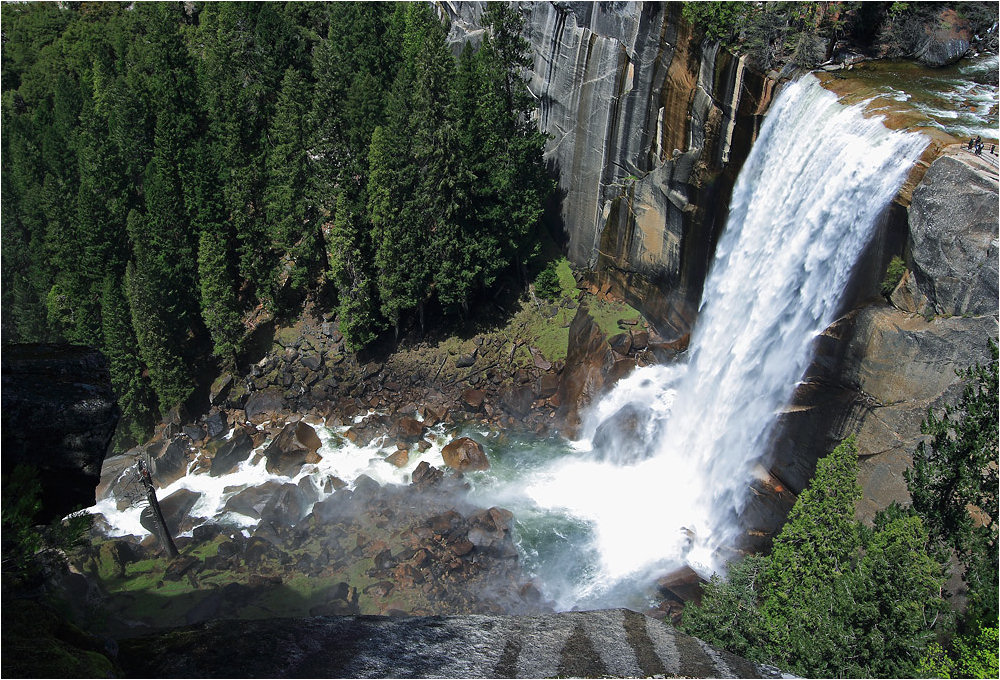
(393, 549)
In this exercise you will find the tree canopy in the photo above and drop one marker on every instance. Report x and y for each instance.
(834, 598)
(172, 170)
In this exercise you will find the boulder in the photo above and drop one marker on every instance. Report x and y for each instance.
(285, 506)
(193, 432)
(252, 500)
(409, 429)
(517, 400)
(465, 454)
(116, 470)
(547, 385)
(215, 424)
(290, 449)
(947, 39)
(311, 361)
(176, 509)
(465, 360)
(168, 460)
(425, 475)
(583, 378)
(264, 405)
(220, 388)
(627, 436)
(953, 238)
(59, 414)
(621, 343)
(232, 452)
(473, 398)
(398, 458)
(682, 584)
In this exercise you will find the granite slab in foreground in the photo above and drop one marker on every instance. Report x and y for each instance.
(608, 643)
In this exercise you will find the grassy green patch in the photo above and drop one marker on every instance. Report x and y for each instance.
(565, 274)
(607, 314)
(551, 336)
(210, 549)
(288, 336)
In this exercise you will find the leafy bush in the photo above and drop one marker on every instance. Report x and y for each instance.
(893, 275)
(974, 656)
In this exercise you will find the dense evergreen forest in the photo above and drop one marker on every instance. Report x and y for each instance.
(172, 173)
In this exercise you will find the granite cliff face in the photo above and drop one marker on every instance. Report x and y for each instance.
(648, 131)
(880, 367)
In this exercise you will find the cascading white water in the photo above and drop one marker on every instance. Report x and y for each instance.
(805, 205)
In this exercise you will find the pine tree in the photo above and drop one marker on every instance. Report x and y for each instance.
(350, 258)
(954, 484)
(159, 334)
(518, 185)
(415, 173)
(834, 598)
(291, 218)
(135, 395)
(245, 49)
(219, 306)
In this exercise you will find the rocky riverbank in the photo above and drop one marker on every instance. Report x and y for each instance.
(312, 543)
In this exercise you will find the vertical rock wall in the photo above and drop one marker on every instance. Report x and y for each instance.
(648, 130)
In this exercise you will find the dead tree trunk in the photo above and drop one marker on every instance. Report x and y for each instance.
(163, 533)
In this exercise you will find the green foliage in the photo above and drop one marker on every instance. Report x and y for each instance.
(293, 232)
(954, 483)
(729, 615)
(977, 655)
(166, 168)
(719, 20)
(771, 34)
(974, 656)
(219, 306)
(131, 385)
(21, 503)
(834, 598)
(547, 282)
(893, 275)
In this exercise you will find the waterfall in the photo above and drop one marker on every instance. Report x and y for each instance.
(674, 448)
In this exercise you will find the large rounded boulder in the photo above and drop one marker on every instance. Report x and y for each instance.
(295, 445)
(465, 454)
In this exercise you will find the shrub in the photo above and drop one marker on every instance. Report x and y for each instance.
(547, 283)
(893, 275)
